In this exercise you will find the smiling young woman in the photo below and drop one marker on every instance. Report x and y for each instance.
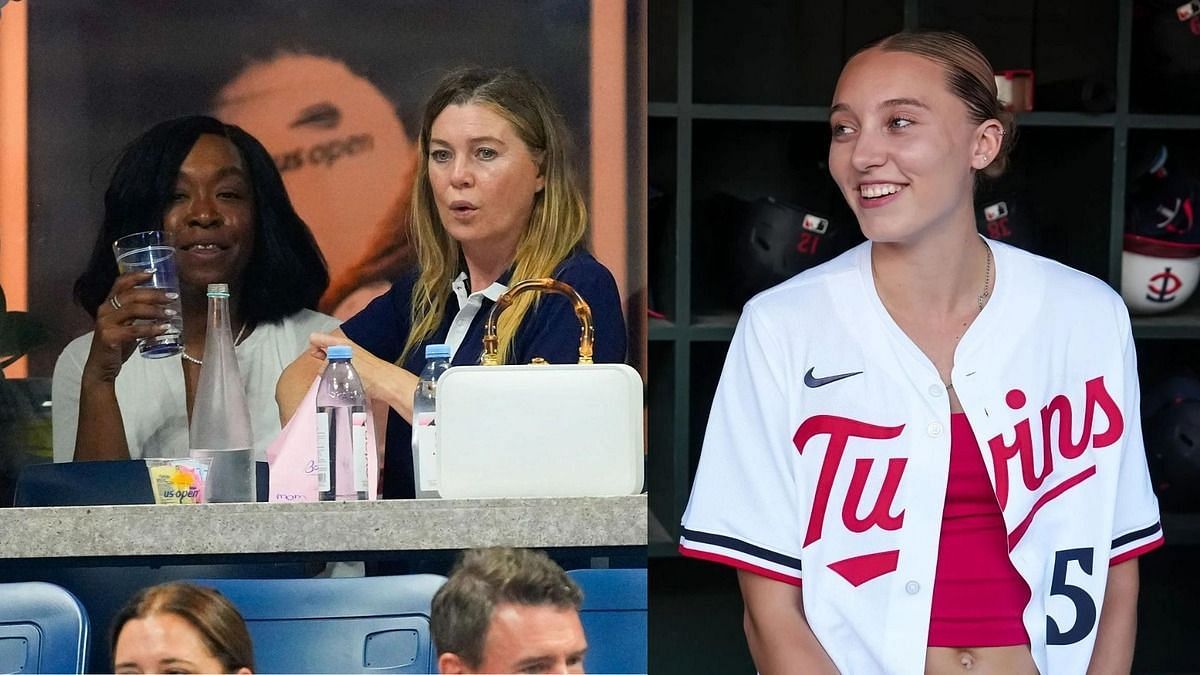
(930, 496)
(215, 190)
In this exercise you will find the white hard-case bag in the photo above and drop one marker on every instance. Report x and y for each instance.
(539, 430)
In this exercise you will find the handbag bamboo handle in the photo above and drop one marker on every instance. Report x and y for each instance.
(587, 334)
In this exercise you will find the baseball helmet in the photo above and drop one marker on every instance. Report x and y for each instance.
(1166, 47)
(1173, 453)
(1169, 392)
(1154, 279)
(1160, 263)
(1002, 217)
(777, 240)
(1163, 204)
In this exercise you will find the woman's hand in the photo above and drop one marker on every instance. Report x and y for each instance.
(116, 332)
(381, 379)
(101, 431)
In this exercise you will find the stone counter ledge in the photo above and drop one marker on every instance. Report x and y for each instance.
(399, 525)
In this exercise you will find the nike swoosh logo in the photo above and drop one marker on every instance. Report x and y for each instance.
(814, 382)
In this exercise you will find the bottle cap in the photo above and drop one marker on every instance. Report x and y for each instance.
(339, 352)
(218, 290)
(435, 351)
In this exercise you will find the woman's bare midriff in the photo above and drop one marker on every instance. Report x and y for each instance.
(1013, 660)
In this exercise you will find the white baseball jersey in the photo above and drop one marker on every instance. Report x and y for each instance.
(828, 448)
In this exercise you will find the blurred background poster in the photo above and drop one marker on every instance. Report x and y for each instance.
(334, 91)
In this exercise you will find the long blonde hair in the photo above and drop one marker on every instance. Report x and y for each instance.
(557, 223)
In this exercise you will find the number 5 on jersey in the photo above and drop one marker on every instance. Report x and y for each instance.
(1085, 606)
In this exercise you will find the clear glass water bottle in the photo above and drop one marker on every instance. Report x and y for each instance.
(342, 449)
(424, 437)
(220, 425)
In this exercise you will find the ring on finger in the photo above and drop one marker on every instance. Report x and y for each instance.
(112, 300)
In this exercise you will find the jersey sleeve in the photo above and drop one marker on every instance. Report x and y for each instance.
(745, 506)
(1137, 528)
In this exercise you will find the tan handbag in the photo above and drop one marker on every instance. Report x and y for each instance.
(539, 430)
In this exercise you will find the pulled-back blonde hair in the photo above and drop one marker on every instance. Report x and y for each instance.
(557, 222)
(970, 77)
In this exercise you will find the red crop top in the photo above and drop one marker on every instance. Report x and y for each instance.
(978, 596)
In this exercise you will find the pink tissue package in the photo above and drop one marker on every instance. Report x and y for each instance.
(293, 456)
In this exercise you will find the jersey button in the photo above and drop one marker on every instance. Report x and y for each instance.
(912, 588)
(936, 390)
(934, 429)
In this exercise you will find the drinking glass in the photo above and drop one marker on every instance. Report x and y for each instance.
(152, 252)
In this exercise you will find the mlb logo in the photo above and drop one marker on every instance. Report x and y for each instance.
(1187, 10)
(998, 210)
(816, 224)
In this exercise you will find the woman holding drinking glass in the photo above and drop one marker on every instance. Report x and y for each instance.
(215, 190)
(495, 202)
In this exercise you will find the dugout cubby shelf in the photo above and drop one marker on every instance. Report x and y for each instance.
(738, 107)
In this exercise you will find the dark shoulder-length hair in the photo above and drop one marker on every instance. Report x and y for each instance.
(286, 271)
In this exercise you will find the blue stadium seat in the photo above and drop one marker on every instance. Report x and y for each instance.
(614, 619)
(345, 625)
(43, 629)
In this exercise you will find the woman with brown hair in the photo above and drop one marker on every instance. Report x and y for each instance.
(939, 434)
(181, 628)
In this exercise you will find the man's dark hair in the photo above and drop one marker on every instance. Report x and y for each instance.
(286, 271)
(485, 578)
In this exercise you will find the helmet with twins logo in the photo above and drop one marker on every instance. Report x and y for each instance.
(1160, 264)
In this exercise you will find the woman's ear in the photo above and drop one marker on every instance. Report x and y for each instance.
(539, 160)
(989, 138)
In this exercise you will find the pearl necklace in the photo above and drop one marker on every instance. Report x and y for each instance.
(236, 341)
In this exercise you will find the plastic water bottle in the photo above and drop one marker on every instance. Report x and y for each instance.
(424, 438)
(341, 430)
(220, 426)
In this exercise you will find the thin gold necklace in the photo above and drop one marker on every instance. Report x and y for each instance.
(983, 296)
(987, 278)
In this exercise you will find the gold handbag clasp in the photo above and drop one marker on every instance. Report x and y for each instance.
(587, 334)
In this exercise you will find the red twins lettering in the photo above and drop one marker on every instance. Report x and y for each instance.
(879, 513)
(840, 430)
(1058, 410)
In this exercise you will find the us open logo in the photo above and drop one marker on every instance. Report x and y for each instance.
(323, 116)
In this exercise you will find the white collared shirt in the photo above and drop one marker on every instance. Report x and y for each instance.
(468, 307)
